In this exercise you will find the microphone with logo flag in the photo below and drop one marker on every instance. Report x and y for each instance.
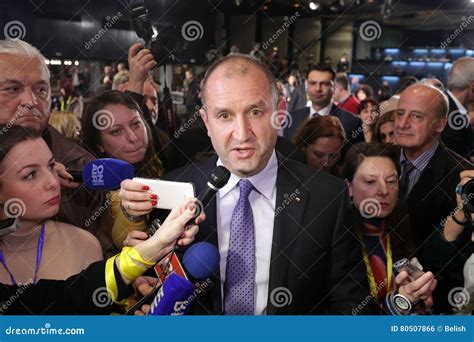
(177, 293)
(103, 174)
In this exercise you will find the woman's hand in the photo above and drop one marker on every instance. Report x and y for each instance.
(465, 177)
(136, 198)
(452, 230)
(175, 230)
(143, 310)
(65, 178)
(416, 290)
(134, 238)
(143, 286)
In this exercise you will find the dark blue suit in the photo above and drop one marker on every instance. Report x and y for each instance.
(352, 125)
(314, 255)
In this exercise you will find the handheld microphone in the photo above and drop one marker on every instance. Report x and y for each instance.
(217, 180)
(173, 298)
(103, 174)
(177, 294)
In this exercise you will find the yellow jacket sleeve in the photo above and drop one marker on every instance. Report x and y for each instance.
(122, 225)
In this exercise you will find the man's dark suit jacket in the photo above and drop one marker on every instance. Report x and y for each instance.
(297, 98)
(458, 140)
(314, 253)
(352, 125)
(430, 201)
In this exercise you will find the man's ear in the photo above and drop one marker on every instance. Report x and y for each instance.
(441, 123)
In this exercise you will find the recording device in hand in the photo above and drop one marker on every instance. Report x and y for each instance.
(177, 294)
(217, 180)
(170, 194)
(414, 272)
(200, 262)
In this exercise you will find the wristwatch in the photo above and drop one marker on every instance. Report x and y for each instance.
(402, 303)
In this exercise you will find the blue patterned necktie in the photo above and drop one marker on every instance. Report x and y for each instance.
(407, 169)
(240, 268)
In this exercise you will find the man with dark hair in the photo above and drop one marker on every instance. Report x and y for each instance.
(269, 244)
(320, 89)
(344, 99)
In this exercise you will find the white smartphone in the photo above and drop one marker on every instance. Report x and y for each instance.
(170, 194)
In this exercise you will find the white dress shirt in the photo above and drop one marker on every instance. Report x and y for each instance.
(461, 108)
(323, 111)
(263, 202)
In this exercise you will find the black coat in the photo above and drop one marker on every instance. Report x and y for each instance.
(77, 295)
(430, 201)
(455, 136)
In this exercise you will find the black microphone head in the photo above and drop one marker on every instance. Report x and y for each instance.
(219, 177)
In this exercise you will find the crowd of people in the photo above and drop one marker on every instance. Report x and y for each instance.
(330, 186)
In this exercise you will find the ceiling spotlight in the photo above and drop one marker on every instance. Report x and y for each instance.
(313, 5)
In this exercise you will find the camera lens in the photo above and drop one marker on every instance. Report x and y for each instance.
(467, 195)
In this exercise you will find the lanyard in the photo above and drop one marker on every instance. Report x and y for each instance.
(370, 273)
(68, 104)
(39, 252)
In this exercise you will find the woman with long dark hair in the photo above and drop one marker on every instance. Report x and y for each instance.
(113, 127)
